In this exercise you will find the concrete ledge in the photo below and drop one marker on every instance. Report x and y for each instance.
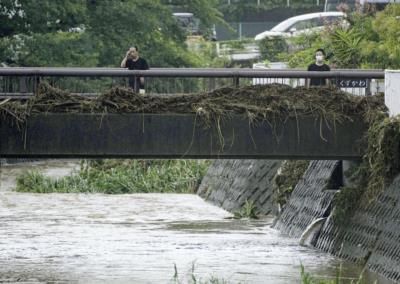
(178, 136)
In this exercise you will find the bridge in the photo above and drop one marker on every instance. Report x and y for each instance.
(174, 135)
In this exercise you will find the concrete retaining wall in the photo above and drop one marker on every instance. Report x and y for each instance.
(371, 238)
(229, 183)
(311, 199)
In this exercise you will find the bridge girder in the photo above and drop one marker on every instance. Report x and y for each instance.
(179, 136)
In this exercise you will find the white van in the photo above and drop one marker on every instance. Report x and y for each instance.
(302, 24)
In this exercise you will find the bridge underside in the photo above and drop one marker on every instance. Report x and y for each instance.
(178, 136)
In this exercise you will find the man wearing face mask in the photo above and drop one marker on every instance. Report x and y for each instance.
(319, 65)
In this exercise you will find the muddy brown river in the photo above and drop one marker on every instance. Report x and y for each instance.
(140, 238)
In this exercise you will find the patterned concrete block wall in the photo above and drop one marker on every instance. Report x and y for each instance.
(356, 240)
(372, 236)
(311, 199)
(385, 258)
(229, 183)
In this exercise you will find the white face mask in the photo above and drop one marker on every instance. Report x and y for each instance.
(319, 58)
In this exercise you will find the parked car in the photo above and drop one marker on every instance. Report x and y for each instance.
(191, 25)
(303, 24)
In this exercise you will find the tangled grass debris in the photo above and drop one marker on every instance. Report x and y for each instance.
(379, 166)
(260, 102)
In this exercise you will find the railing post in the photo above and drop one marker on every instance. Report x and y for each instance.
(368, 87)
(22, 84)
(392, 91)
(211, 84)
(135, 86)
(236, 82)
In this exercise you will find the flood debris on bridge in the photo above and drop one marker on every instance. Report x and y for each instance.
(265, 102)
(271, 105)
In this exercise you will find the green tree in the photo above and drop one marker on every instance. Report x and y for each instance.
(94, 32)
(382, 48)
(42, 16)
(372, 41)
(117, 25)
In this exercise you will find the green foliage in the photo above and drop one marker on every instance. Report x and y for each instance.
(248, 210)
(347, 47)
(206, 10)
(287, 178)
(383, 153)
(383, 51)
(58, 49)
(270, 48)
(194, 279)
(372, 41)
(96, 33)
(46, 16)
(381, 163)
(302, 49)
(307, 278)
(121, 176)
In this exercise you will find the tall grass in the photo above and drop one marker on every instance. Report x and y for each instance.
(248, 210)
(121, 176)
(192, 278)
(307, 278)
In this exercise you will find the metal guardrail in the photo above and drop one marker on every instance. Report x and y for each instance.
(189, 72)
(23, 80)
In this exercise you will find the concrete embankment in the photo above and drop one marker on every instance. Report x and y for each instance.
(229, 183)
(370, 237)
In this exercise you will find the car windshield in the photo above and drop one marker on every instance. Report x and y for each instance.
(281, 27)
(301, 24)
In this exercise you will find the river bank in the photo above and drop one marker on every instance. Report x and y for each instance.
(369, 237)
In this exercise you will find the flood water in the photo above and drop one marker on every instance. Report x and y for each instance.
(139, 238)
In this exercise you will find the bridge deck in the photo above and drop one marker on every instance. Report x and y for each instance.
(177, 136)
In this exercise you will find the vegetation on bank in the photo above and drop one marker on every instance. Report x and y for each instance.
(307, 278)
(121, 176)
(379, 166)
(249, 210)
(192, 278)
(287, 178)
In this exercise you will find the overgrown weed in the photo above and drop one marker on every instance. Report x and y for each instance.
(121, 176)
(307, 278)
(248, 210)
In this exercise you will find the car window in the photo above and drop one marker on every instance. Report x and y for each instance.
(332, 20)
(306, 24)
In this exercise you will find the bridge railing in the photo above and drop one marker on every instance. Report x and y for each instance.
(21, 82)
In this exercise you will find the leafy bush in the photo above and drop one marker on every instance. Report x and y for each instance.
(271, 48)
